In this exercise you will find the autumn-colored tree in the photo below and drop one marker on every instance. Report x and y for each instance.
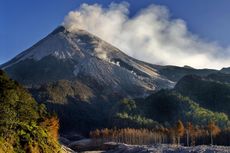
(105, 134)
(194, 133)
(52, 126)
(179, 131)
(129, 135)
(213, 130)
(95, 134)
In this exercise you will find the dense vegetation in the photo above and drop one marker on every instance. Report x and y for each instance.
(169, 106)
(159, 110)
(63, 91)
(212, 92)
(80, 117)
(25, 126)
(196, 101)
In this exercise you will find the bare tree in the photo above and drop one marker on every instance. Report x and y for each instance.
(213, 130)
(179, 131)
(189, 129)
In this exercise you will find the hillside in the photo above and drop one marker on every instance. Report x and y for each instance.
(25, 126)
(169, 106)
(211, 92)
(175, 73)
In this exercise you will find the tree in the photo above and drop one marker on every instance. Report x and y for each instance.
(52, 126)
(127, 105)
(213, 130)
(189, 129)
(179, 131)
(105, 134)
(23, 126)
(95, 135)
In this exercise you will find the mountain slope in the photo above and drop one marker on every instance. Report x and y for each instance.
(175, 73)
(208, 91)
(81, 56)
(25, 126)
(169, 106)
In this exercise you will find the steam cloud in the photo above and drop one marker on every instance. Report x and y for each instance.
(151, 35)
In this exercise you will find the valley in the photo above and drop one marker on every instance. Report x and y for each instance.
(100, 94)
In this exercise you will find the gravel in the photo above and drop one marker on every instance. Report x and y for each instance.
(164, 148)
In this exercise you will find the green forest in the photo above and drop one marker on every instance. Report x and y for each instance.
(25, 126)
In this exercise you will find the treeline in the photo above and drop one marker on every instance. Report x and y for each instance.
(183, 134)
(129, 136)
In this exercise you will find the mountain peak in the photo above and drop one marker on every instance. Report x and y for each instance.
(58, 30)
(63, 44)
(80, 55)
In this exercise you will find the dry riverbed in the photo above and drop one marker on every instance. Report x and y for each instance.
(164, 148)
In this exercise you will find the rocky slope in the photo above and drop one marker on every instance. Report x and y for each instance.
(102, 68)
(86, 58)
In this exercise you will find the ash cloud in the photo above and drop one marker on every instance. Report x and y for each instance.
(151, 35)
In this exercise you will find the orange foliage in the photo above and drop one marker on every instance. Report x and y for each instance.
(213, 128)
(52, 126)
(130, 136)
(179, 131)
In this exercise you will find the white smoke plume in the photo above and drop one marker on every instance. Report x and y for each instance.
(151, 35)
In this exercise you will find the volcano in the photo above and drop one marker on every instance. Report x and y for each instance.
(83, 57)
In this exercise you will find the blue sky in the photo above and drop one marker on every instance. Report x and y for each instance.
(25, 22)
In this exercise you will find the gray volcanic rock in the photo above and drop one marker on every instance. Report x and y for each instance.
(164, 148)
(64, 55)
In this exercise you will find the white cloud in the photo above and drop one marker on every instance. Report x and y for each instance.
(151, 35)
